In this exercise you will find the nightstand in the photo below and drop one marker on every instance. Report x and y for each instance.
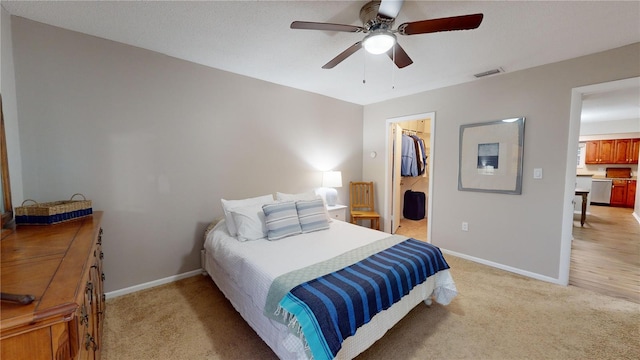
(338, 212)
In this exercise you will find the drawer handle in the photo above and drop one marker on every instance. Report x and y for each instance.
(89, 290)
(84, 316)
(90, 342)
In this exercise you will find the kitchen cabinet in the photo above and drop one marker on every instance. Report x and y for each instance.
(623, 193)
(619, 151)
(634, 151)
(626, 151)
(600, 152)
(631, 194)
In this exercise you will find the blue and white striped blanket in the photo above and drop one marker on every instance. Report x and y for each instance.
(330, 308)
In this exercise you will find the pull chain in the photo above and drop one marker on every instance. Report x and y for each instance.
(393, 69)
(364, 67)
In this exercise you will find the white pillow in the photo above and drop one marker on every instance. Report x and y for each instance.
(304, 196)
(295, 197)
(249, 222)
(228, 205)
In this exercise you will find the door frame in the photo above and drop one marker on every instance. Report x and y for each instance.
(388, 166)
(571, 170)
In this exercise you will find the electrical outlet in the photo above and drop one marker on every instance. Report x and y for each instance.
(465, 226)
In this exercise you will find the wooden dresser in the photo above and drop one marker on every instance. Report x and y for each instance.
(61, 266)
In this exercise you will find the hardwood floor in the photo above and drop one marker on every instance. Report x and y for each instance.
(416, 229)
(605, 253)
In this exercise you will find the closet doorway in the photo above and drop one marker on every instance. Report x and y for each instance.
(418, 126)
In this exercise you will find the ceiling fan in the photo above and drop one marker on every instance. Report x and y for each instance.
(377, 18)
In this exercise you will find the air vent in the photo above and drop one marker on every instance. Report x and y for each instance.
(489, 72)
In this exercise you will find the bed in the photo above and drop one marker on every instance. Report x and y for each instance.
(245, 269)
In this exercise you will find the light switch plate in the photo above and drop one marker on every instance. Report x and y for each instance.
(537, 173)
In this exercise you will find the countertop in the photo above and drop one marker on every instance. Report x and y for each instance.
(602, 177)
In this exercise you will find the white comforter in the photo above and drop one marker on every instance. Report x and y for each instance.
(253, 265)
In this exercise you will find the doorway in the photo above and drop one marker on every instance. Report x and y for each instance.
(568, 244)
(395, 184)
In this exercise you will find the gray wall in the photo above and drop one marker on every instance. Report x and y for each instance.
(155, 142)
(521, 232)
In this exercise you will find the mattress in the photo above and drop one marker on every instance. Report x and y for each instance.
(244, 272)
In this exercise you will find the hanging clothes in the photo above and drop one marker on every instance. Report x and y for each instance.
(421, 154)
(409, 165)
(414, 157)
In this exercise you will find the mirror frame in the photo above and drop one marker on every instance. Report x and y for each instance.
(7, 215)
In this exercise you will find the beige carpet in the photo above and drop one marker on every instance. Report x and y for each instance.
(497, 315)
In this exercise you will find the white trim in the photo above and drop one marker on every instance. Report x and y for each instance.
(635, 215)
(505, 267)
(387, 179)
(570, 172)
(150, 284)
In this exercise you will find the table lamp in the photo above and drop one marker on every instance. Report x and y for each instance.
(330, 181)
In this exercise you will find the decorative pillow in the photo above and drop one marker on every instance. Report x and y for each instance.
(228, 205)
(281, 220)
(312, 195)
(311, 215)
(249, 222)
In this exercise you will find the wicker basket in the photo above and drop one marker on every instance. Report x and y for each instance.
(52, 212)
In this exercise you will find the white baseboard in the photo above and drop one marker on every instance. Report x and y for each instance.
(150, 284)
(505, 267)
(635, 215)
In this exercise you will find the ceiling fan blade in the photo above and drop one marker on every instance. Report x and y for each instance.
(343, 55)
(401, 57)
(308, 25)
(390, 8)
(464, 22)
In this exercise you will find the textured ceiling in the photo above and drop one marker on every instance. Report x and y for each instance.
(253, 38)
(619, 104)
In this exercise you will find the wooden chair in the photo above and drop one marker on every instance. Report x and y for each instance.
(361, 204)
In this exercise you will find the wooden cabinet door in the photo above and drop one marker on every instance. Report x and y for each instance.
(621, 151)
(96, 308)
(33, 345)
(634, 150)
(592, 154)
(618, 193)
(607, 151)
(97, 276)
(631, 194)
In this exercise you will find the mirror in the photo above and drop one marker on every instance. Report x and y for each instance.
(7, 207)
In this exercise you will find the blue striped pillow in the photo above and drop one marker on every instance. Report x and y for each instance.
(312, 216)
(281, 220)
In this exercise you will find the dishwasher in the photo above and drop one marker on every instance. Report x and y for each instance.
(601, 191)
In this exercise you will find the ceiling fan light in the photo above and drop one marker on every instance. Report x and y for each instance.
(379, 42)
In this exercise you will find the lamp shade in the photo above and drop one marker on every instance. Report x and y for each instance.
(332, 179)
(379, 42)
